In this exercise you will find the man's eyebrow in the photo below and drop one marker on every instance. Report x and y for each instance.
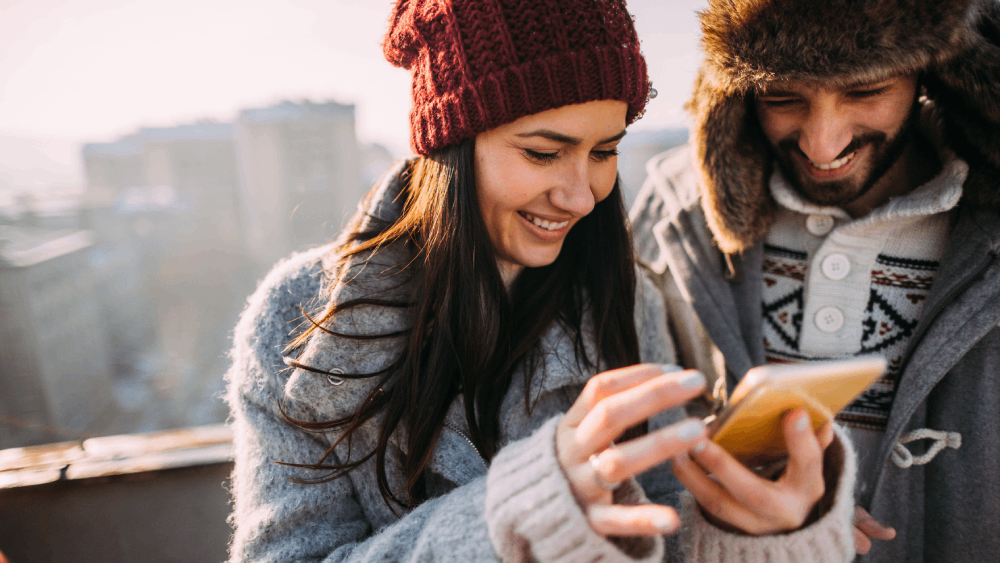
(868, 83)
(785, 92)
(779, 93)
(561, 138)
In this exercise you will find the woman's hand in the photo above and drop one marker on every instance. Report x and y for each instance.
(737, 497)
(611, 403)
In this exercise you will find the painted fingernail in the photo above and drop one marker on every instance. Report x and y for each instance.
(700, 447)
(680, 459)
(803, 422)
(665, 524)
(692, 380)
(690, 429)
(668, 368)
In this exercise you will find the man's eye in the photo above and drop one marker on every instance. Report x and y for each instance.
(542, 157)
(775, 103)
(601, 156)
(865, 94)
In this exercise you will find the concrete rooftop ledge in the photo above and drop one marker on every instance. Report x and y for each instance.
(115, 455)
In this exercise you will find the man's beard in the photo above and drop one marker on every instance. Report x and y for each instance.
(884, 154)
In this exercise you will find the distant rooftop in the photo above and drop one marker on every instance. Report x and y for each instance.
(289, 111)
(22, 246)
(201, 131)
(118, 149)
(131, 145)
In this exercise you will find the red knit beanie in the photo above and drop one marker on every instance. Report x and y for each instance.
(478, 64)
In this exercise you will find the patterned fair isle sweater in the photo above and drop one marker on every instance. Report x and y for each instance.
(836, 287)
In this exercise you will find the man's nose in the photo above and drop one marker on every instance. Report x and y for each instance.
(574, 194)
(825, 134)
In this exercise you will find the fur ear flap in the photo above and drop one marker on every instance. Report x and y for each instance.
(733, 165)
(966, 89)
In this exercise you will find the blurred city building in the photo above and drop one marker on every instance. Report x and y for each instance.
(128, 330)
(164, 204)
(54, 357)
(197, 161)
(301, 172)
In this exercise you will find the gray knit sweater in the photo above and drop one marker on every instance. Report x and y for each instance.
(519, 508)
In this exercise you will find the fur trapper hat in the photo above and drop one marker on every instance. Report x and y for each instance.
(748, 44)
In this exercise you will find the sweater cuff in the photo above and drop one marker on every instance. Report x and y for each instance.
(830, 538)
(532, 514)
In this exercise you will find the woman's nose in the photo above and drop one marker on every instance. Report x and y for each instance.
(574, 194)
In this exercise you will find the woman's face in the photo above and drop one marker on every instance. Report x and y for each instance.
(537, 176)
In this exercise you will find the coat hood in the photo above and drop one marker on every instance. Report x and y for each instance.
(953, 44)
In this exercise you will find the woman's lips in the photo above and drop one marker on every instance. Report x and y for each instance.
(546, 225)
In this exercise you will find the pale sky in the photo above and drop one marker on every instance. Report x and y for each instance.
(74, 71)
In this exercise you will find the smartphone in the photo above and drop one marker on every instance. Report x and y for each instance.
(749, 427)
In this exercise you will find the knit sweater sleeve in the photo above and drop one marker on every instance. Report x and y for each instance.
(532, 516)
(828, 539)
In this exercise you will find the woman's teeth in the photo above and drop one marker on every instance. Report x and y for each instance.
(547, 225)
(836, 163)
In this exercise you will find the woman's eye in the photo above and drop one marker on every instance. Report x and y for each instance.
(542, 157)
(601, 156)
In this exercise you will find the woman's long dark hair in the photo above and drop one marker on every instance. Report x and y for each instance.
(468, 334)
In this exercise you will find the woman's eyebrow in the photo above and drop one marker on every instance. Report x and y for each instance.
(567, 139)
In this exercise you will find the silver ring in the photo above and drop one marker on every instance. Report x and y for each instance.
(597, 476)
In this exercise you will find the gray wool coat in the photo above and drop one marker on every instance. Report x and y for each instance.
(518, 508)
(946, 510)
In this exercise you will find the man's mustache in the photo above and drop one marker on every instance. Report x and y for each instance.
(791, 145)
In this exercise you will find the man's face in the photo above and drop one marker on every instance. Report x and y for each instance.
(835, 144)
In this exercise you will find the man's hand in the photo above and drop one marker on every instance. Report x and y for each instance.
(736, 497)
(867, 528)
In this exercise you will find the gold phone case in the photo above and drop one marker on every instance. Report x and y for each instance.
(750, 426)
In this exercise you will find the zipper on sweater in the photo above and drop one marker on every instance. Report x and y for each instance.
(948, 300)
(467, 439)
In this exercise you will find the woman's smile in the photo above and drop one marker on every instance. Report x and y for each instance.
(546, 227)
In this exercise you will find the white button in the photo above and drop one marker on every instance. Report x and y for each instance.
(836, 266)
(829, 319)
(819, 225)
